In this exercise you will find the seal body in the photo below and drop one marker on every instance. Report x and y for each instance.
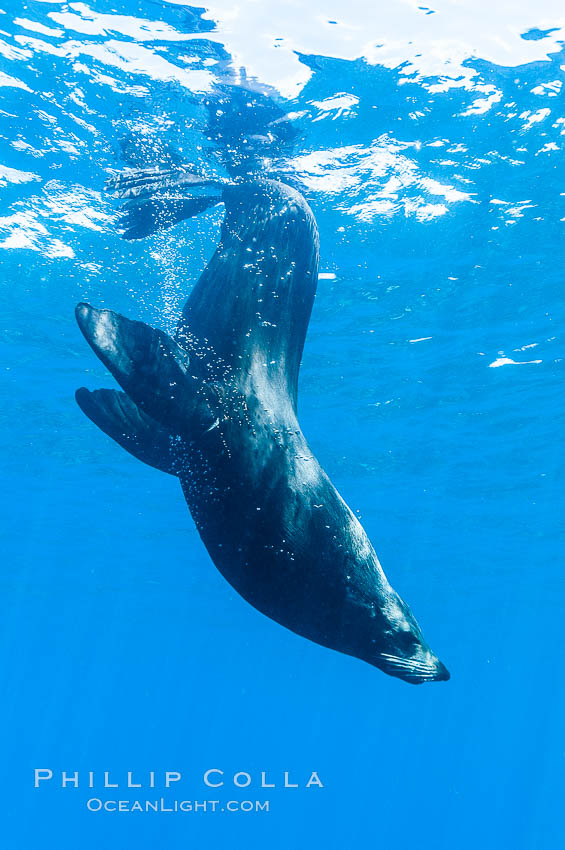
(217, 406)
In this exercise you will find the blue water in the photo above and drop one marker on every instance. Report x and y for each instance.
(431, 391)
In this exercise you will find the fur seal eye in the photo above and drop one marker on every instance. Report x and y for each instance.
(405, 641)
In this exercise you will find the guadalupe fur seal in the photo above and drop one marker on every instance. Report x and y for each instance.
(216, 406)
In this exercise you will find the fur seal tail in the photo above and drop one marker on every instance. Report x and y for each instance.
(122, 420)
(158, 198)
(156, 375)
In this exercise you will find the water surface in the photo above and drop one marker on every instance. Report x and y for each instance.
(428, 142)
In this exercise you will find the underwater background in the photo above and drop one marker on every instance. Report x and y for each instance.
(428, 142)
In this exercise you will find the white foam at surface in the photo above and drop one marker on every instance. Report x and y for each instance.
(507, 361)
(28, 227)
(340, 104)
(390, 180)
(12, 175)
(531, 118)
(264, 36)
(12, 82)
(127, 56)
(483, 104)
(550, 89)
(34, 26)
(85, 20)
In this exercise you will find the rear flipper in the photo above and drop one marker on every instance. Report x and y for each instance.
(158, 198)
(117, 415)
(152, 369)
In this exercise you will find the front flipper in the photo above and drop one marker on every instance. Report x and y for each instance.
(151, 368)
(142, 218)
(117, 415)
(158, 198)
(148, 182)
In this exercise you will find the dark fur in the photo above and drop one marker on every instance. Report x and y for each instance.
(222, 400)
